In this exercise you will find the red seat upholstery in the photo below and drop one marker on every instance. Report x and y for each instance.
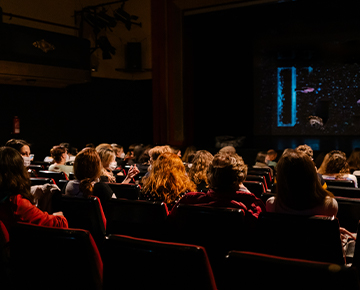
(54, 258)
(85, 213)
(259, 271)
(139, 218)
(133, 263)
(306, 237)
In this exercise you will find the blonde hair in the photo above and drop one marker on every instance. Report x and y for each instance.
(226, 171)
(107, 154)
(156, 151)
(200, 165)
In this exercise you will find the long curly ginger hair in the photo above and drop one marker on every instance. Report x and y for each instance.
(168, 180)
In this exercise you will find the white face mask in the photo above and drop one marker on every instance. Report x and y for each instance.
(26, 161)
(112, 165)
(122, 155)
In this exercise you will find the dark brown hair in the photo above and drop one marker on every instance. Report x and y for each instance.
(17, 144)
(56, 152)
(298, 186)
(14, 178)
(87, 169)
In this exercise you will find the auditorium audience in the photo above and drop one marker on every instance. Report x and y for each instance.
(338, 168)
(167, 180)
(87, 171)
(225, 176)
(107, 156)
(198, 170)
(59, 155)
(16, 200)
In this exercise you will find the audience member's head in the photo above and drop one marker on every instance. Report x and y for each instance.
(14, 178)
(322, 168)
(298, 186)
(156, 151)
(307, 150)
(226, 172)
(228, 150)
(260, 157)
(90, 145)
(337, 163)
(119, 150)
(107, 156)
(354, 159)
(59, 154)
(189, 153)
(22, 147)
(168, 180)
(200, 165)
(87, 169)
(271, 155)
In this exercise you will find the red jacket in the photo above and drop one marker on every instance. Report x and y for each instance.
(20, 209)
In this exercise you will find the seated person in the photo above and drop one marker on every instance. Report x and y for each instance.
(109, 164)
(298, 188)
(303, 196)
(87, 171)
(23, 147)
(260, 162)
(225, 176)
(338, 168)
(167, 180)
(59, 155)
(271, 158)
(16, 200)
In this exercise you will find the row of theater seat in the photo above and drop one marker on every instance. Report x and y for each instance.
(51, 258)
(219, 230)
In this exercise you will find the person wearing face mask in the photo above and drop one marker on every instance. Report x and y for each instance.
(59, 155)
(22, 147)
(109, 164)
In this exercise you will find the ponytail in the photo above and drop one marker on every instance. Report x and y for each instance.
(86, 187)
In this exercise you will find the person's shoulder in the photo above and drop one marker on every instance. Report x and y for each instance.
(193, 197)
